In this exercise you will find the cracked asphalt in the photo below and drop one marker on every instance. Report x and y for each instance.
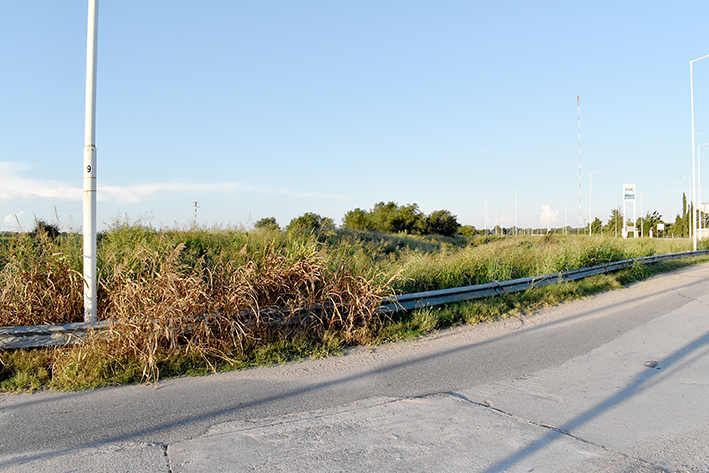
(616, 383)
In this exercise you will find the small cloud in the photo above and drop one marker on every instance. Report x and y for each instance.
(14, 186)
(12, 218)
(548, 216)
(139, 192)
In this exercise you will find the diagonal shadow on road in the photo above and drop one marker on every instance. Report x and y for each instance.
(641, 383)
(216, 414)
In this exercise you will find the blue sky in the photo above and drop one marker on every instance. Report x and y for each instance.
(277, 108)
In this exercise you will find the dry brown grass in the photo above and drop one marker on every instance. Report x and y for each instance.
(222, 297)
(166, 309)
(162, 302)
(38, 285)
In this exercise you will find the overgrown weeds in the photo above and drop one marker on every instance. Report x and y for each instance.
(195, 301)
(165, 303)
(39, 281)
(168, 309)
(411, 325)
(511, 258)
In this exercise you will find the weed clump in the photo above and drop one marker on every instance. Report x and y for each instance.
(196, 300)
(167, 309)
(40, 282)
(216, 298)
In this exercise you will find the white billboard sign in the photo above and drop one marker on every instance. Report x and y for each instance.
(629, 198)
(628, 191)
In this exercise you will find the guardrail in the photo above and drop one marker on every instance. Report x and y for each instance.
(37, 336)
(480, 291)
(49, 335)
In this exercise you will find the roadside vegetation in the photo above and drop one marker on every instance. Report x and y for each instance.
(196, 300)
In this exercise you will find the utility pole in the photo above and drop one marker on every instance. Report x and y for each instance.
(89, 170)
(578, 105)
(486, 217)
(516, 190)
(642, 218)
(565, 224)
(196, 206)
(694, 166)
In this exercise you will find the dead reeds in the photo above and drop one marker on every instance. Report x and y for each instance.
(220, 295)
(162, 305)
(168, 309)
(38, 284)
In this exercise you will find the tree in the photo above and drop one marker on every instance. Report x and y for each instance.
(42, 227)
(383, 217)
(468, 231)
(681, 227)
(597, 226)
(357, 219)
(392, 218)
(677, 227)
(410, 220)
(311, 223)
(442, 222)
(649, 222)
(615, 223)
(268, 223)
(387, 217)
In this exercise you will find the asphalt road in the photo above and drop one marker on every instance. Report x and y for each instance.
(146, 425)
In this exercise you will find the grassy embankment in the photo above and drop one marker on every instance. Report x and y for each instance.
(186, 302)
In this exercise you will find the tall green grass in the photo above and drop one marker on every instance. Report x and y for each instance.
(208, 294)
(513, 258)
(194, 300)
(40, 277)
(411, 325)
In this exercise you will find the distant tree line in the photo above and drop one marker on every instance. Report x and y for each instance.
(384, 217)
(390, 217)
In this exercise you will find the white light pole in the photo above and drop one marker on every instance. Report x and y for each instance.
(516, 190)
(496, 210)
(590, 201)
(486, 205)
(691, 96)
(565, 225)
(699, 186)
(642, 229)
(89, 170)
(691, 227)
